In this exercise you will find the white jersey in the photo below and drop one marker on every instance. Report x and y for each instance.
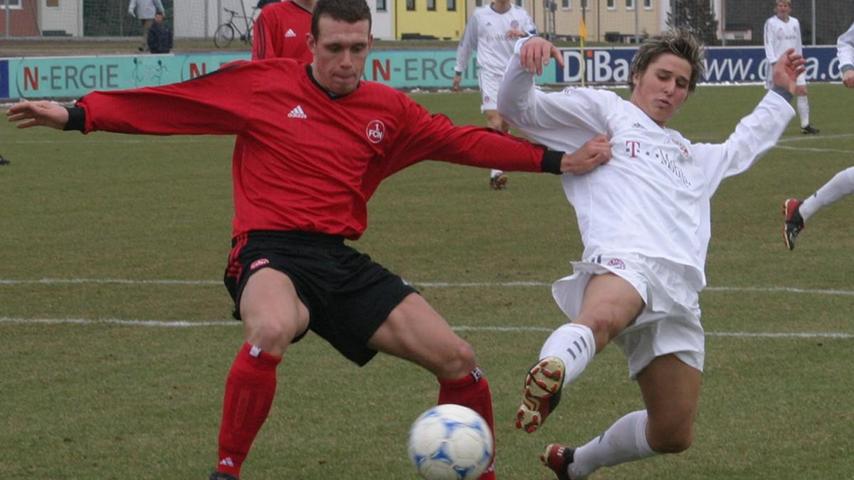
(486, 32)
(653, 197)
(845, 48)
(781, 36)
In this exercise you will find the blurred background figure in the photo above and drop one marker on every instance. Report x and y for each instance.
(159, 36)
(145, 10)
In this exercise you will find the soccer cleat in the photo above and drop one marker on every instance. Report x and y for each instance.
(808, 130)
(558, 457)
(498, 182)
(794, 223)
(222, 476)
(543, 385)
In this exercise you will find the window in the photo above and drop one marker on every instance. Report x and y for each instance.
(566, 4)
(519, 3)
(12, 4)
(452, 5)
(647, 4)
(611, 5)
(478, 3)
(410, 5)
(381, 7)
(431, 5)
(630, 4)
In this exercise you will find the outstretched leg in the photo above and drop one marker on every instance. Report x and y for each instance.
(416, 332)
(609, 305)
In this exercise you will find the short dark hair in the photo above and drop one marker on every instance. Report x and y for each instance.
(350, 11)
(679, 42)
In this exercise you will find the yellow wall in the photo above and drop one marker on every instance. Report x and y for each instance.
(439, 23)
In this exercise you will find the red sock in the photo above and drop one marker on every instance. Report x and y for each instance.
(471, 391)
(249, 391)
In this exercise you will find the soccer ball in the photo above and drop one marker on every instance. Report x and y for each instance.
(450, 442)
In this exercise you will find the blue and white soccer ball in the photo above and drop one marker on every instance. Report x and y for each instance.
(450, 442)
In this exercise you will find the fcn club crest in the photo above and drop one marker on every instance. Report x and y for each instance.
(375, 131)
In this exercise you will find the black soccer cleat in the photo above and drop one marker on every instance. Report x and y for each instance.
(793, 222)
(809, 130)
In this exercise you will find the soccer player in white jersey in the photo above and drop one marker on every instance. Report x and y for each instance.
(492, 30)
(644, 219)
(783, 32)
(797, 212)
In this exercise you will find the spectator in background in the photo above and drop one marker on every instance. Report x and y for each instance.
(145, 11)
(159, 36)
(281, 31)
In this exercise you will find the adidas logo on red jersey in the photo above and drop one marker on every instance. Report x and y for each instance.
(297, 113)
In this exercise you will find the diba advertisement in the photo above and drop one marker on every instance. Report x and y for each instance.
(72, 77)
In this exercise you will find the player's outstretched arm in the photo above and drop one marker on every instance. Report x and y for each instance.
(41, 113)
(592, 154)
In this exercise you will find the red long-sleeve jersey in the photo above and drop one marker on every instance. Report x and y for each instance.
(280, 32)
(304, 160)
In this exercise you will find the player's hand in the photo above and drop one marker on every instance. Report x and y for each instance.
(848, 79)
(592, 154)
(41, 113)
(515, 33)
(786, 70)
(132, 13)
(456, 85)
(537, 53)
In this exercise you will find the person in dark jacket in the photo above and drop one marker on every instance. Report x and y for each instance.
(159, 36)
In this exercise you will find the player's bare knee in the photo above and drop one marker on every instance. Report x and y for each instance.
(671, 437)
(460, 360)
(269, 332)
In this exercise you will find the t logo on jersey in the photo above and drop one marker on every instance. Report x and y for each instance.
(632, 147)
(375, 131)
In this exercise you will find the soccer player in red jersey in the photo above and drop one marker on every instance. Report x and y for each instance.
(281, 31)
(316, 141)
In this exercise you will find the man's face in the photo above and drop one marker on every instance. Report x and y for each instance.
(783, 9)
(340, 51)
(662, 88)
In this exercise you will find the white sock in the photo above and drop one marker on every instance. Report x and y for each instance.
(494, 173)
(804, 110)
(575, 345)
(624, 441)
(840, 185)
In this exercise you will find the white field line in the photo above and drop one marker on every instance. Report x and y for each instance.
(515, 284)
(460, 328)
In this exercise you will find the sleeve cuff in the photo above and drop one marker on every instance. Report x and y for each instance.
(76, 119)
(787, 96)
(551, 161)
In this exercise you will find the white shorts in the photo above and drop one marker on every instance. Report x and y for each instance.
(489, 83)
(670, 320)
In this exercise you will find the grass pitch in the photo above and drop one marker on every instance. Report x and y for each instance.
(99, 234)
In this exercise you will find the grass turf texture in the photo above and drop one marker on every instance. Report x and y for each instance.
(106, 401)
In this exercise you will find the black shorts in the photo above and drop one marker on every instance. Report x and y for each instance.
(347, 294)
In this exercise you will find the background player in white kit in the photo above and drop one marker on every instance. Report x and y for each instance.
(783, 32)
(797, 212)
(492, 30)
(644, 219)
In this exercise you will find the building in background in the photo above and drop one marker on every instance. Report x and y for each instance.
(739, 22)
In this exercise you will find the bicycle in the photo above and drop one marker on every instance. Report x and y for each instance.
(226, 32)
